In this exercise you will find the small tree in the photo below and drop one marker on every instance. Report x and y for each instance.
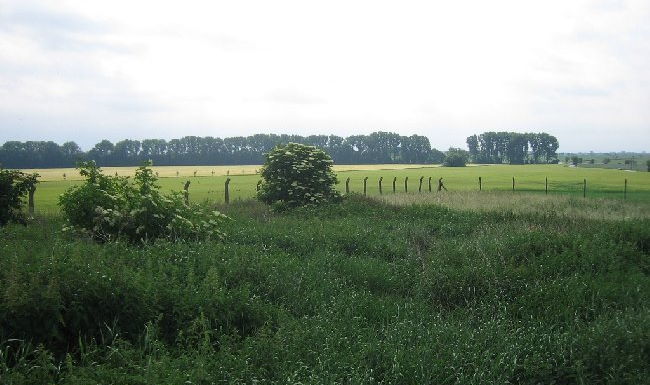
(14, 185)
(456, 157)
(296, 175)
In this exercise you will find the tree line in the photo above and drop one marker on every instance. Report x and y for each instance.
(513, 148)
(376, 148)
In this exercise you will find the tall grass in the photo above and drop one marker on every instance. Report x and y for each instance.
(530, 203)
(363, 293)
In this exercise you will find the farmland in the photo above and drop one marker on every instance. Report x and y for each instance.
(458, 287)
(601, 183)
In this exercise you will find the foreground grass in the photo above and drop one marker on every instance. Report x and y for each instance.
(363, 292)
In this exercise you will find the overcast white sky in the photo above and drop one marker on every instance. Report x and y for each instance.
(89, 70)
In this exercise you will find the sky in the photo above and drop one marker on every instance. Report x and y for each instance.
(90, 70)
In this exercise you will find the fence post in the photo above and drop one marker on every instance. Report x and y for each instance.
(480, 184)
(347, 185)
(584, 188)
(513, 183)
(625, 190)
(365, 180)
(546, 186)
(186, 192)
(259, 183)
(394, 181)
(429, 184)
(380, 179)
(32, 189)
(406, 184)
(420, 187)
(227, 193)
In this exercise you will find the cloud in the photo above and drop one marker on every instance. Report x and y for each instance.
(56, 30)
(292, 96)
(118, 69)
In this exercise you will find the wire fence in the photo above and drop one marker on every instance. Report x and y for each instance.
(428, 184)
(218, 190)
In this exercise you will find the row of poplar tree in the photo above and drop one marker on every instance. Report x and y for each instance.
(376, 148)
(513, 148)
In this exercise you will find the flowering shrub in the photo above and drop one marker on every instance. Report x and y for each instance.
(111, 207)
(297, 175)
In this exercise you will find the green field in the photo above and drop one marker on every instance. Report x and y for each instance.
(363, 292)
(601, 183)
(457, 287)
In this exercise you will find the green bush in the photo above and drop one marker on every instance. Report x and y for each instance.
(297, 175)
(111, 207)
(14, 185)
(456, 157)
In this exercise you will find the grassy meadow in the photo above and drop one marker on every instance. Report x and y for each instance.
(404, 289)
(601, 183)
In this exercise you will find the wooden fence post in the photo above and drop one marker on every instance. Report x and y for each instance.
(394, 181)
(480, 184)
(227, 193)
(420, 187)
(546, 185)
(429, 184)
(365, 180)
(625, 190)
(584, 188)
(186, 192)
(513, 183)
(347, 185)
(406, 184)
(32, 189)
(380, 179)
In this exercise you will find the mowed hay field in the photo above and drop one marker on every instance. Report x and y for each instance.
(601, 183)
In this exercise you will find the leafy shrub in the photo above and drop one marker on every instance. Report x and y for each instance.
(110, 207)
(456, 157)
(14, 185)
(297, 175)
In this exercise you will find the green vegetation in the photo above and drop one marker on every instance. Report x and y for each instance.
(456, 157)
(360, 292)
(612, 160)
(601, 183)
(513, 148)
(14, 186)
(109, 207)
(377, 148)
(297, 175)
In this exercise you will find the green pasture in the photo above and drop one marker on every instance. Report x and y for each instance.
(601, 183)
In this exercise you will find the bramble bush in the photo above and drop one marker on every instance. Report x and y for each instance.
(14, 185)
(111, 207)
(297, 175)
